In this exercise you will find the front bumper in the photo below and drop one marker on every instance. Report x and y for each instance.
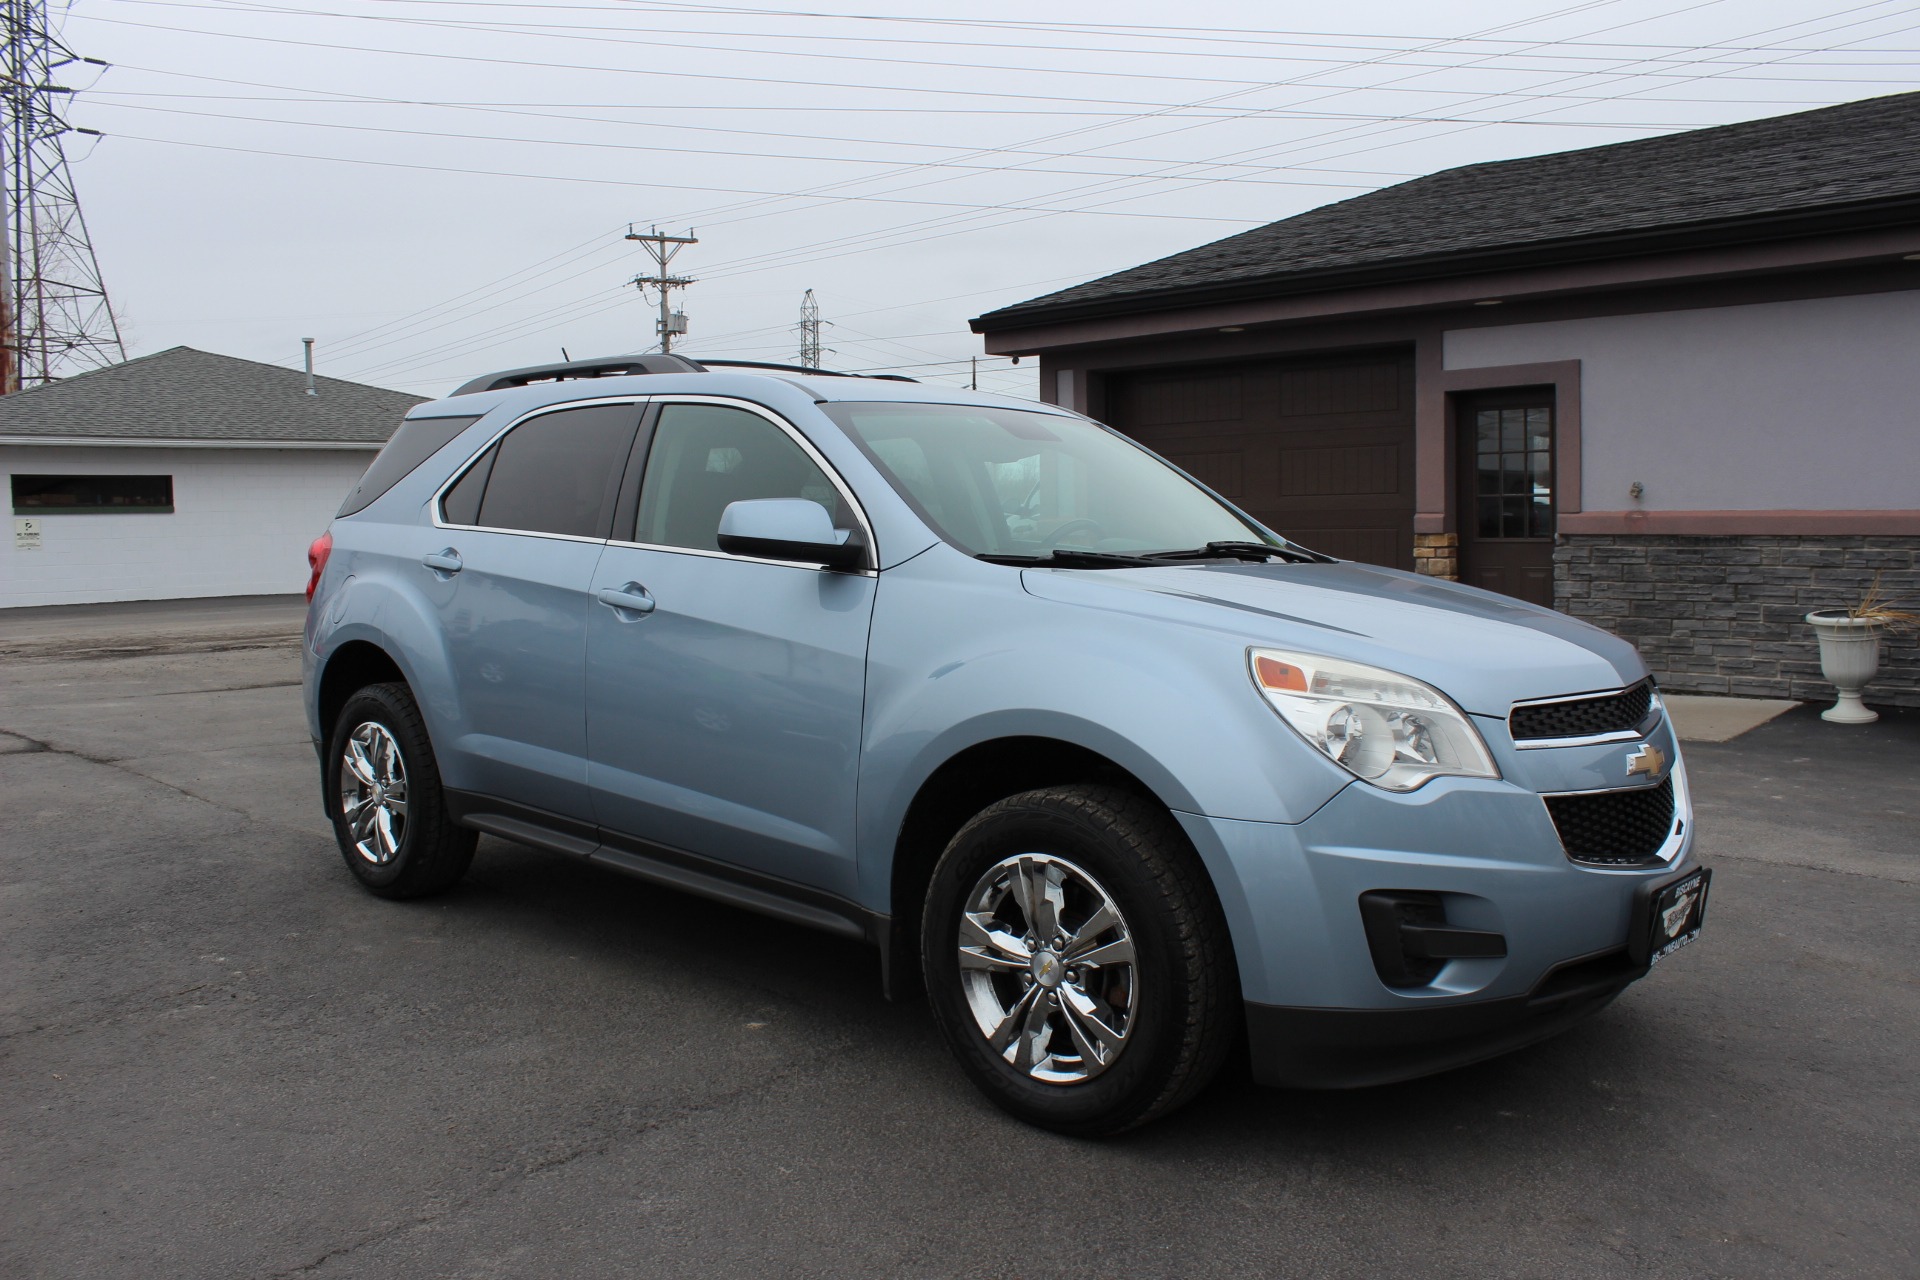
(1352, 1048)
(1321, 1014)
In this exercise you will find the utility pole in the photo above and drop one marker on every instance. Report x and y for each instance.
(974, 383)
(661, 248)
(54, 313)
(810, 326)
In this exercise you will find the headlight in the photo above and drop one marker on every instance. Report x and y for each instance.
(1380, 726)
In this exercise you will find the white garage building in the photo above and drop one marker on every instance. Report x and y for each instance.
(177, 475)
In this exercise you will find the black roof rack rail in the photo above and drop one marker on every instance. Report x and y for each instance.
(800, 368)
(605, 367)
(625, 366)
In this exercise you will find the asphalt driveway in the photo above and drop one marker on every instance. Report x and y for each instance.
(220, 1058)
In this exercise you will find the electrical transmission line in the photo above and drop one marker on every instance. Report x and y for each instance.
(57, 318)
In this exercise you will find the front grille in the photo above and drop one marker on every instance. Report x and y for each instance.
(1583, 717)
(1614, 828)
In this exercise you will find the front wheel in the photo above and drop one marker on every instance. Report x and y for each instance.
(1077, 960)
(384, 796)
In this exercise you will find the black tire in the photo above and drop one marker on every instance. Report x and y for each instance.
(1180, 989)
(428, 853)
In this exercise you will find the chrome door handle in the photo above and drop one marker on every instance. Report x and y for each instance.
(444, 563)
(629, 599)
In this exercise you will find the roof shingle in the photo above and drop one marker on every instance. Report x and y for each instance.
(183, 394)
(1849, 155)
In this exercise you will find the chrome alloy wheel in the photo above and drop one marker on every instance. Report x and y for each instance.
(373, 792)
(1047, 966)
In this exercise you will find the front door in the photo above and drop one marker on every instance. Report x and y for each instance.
(1506, 500)
(724, 694)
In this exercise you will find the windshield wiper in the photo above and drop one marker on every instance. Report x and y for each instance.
(1069, 558)
(1260, 551)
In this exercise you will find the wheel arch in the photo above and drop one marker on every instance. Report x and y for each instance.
(350, 668)
(962, 785)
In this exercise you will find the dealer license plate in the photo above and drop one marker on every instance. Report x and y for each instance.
(1677, 910)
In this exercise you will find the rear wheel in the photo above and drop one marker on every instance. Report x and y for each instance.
(384, 796)
(1077, 960)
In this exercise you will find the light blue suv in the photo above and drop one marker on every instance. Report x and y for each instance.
(1118, 774)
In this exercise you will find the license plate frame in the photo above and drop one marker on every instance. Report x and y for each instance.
(1669, 914)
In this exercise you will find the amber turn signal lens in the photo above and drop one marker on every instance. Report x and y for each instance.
(1275, 674)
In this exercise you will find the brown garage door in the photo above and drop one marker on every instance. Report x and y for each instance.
(1320, 450)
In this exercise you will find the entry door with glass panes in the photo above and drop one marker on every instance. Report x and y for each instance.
(1506, 499)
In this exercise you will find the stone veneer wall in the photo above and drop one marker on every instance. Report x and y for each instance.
(1727, 614)
(1437, 555)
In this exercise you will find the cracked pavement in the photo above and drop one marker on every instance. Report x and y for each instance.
(220, 1058)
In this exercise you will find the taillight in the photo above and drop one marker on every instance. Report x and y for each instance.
(317, 560)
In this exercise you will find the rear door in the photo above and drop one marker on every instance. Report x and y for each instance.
(724, 693)
(523, 527)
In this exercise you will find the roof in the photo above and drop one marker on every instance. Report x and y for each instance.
(1833, 168)
(182, 395)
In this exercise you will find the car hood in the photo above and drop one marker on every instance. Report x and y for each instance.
(1483, 650)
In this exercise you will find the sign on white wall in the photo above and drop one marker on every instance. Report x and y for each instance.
(26, 534)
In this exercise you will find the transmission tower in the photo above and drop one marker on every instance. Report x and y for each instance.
(810, 326)
(661, 249)
(57, 318)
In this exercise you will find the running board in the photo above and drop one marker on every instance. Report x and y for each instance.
(671, 868)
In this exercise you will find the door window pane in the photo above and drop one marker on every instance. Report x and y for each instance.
(706, 456)
(558, 473)
(1513, 472)
(1489, 431)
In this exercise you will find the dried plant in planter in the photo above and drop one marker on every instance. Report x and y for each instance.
(1875, 607)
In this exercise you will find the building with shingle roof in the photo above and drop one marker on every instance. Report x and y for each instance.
(179, 474)
(1668, 385)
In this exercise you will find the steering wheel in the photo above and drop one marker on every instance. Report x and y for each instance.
(1072, 527)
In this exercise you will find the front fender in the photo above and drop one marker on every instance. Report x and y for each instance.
(961, 654)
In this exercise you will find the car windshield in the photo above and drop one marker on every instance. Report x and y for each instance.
(1010, 482)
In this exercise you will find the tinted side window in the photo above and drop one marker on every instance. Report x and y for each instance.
(558, 473)
(705, 456)
(417, 440)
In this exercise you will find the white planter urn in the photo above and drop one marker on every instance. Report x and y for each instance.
(1849, 657)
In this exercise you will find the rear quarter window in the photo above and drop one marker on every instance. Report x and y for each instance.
(417, 440)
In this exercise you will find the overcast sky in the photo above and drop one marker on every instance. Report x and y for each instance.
(436, 188)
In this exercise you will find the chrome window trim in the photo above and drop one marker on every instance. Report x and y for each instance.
(433, 503)
(1670, 849)
(1656, 712)
(665, 401)
(809, 565)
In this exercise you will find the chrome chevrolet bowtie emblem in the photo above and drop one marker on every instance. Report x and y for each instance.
(1648, 760)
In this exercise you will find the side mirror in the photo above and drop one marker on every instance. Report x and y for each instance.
(789, 529)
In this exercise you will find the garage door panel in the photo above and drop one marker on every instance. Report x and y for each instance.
(1343, 388)
(1322, 452)
(1166, 402)
(1373, 546)
(1363, 470)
